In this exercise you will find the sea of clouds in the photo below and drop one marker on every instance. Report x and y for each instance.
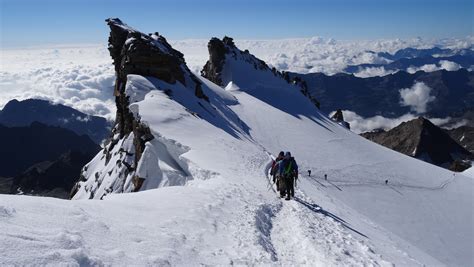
(78, 76)
(82, 76)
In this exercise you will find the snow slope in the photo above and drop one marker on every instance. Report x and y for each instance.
(207, 199)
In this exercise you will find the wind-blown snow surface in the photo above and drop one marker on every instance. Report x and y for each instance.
(227, 212)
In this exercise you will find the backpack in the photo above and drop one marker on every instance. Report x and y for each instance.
(290, 168)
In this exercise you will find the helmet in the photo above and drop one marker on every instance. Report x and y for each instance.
(281, 154)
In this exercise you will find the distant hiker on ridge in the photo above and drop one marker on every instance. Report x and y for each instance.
(288, 170)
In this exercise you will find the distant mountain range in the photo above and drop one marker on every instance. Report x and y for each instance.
(23, 113)
(45, 145)
(410, 52)
(453, 91)
(412, 57)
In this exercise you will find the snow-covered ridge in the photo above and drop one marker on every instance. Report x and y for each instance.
(228, 66)
(149, 55)
(227, 212)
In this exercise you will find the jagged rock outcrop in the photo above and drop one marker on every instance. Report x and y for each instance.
(339, 118)
(422, 139)
(220, 49)
(148, 55)
(137, 53)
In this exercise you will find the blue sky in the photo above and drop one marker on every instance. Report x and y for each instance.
(44, 22)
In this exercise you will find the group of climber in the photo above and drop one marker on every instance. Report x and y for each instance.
(285, 173)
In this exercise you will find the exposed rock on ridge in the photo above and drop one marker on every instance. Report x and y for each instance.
(339, 118)
(150, 56)
(219, 49)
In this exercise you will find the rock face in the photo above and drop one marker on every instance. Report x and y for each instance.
(339, 118)
(421, 139)
(151, 56)
(51, 178)
(220, 50)
(25, 146)
(148, 55)
(464, 136)
(217, 51)
(23, 113)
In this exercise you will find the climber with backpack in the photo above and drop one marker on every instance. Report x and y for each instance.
(274, 170)
(288, 170)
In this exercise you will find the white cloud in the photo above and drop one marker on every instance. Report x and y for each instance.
(360, 124)
(417, 97)
(442, 65)
(449, 65)
(81, 77)
(425, 68)
(373, 71)
(317, 54)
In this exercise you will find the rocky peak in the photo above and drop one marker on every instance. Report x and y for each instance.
(421, 139)
(339, 118)
(219, 50)
(150, 55)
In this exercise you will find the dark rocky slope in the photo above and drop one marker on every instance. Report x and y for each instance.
(464, 136)
(25, 146)
(421, 139)
(53, 178)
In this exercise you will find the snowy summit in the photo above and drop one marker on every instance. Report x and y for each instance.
(184, 178)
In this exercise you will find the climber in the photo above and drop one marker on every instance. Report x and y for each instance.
(288, 170)
(274, 170)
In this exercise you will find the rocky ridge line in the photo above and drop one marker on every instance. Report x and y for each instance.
(219, 49)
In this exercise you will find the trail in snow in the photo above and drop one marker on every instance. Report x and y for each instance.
(339, 183)
(303, 233)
